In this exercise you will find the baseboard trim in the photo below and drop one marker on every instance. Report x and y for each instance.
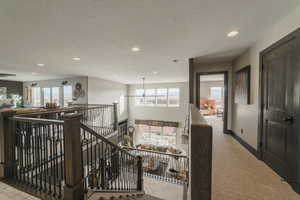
(227, 131)
(244, 144)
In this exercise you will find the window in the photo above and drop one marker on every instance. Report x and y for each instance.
(158, 97)
(173, 97)
(55, 95)
(162, 97)
(68, 96)
(155, 135)
(139, 99)
(216, 93)
(122, 104)
(47, 95)
(150, 97)
(36, 97)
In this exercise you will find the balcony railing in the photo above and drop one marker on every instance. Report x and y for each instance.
(107, 167)
(101, 118)
(167, 167)
(59, 155)
(38, 154)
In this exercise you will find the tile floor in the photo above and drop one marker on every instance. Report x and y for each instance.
(9, 193)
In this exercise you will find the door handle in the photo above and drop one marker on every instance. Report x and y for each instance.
(289, 119)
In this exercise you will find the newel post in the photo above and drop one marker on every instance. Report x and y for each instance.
(7, 142)
(140, 175)
(116, 120)
(74, 189)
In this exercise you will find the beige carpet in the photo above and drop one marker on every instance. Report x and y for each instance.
(238, 175)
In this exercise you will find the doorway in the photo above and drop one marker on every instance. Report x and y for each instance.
(279, 108)
(212, 98)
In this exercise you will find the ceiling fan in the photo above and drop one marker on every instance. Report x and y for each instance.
(144, 91)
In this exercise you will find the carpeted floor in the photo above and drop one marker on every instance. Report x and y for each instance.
(238, 175)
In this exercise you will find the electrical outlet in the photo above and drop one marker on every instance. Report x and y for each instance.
(242, 131)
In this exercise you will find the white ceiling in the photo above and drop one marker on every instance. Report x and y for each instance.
(102, 32)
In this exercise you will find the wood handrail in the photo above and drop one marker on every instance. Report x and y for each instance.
(58, 111)
(36, 120)
(95, 134)
(157, 152)
(200, 157)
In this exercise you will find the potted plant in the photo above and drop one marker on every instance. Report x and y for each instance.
(128, 141)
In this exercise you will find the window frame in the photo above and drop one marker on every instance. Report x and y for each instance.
(144, 104)
(33, 97)
(63, 97)
(162, 105)
(174, 105)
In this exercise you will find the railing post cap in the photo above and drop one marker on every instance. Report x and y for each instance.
(70, 116)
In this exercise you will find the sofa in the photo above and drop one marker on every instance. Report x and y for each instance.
(208, 107)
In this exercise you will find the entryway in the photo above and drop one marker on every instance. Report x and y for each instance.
(212, 98)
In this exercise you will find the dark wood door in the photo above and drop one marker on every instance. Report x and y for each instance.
(279, 141)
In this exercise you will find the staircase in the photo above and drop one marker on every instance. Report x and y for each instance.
(71, 154)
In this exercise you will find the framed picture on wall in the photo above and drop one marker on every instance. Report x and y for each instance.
(242, 86)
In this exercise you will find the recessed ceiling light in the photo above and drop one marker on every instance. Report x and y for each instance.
(135, 49)
(233, 33)
(41, 64)
(76, 58)
(155, 72)
(33, 73)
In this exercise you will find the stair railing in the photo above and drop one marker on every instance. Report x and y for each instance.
(168, 167)
(103, 119)
(107, 167)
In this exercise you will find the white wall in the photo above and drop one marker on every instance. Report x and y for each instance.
(107, 92)
(217, 67)
(246, 116)
(176, 114)
(58, 83)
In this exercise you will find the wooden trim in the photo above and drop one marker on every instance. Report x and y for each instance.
(247, 146)
(74, 188)
(157, 123)
(247, 70)
(261, 89)
(226, 87)
(191, 80)
(294, 184)
(200, 157)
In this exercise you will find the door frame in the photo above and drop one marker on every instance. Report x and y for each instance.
(261, 88)
(261, 94)
(225, 115)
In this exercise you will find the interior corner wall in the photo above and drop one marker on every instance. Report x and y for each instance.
(216, 67)
(246, 116)
(107, 92)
